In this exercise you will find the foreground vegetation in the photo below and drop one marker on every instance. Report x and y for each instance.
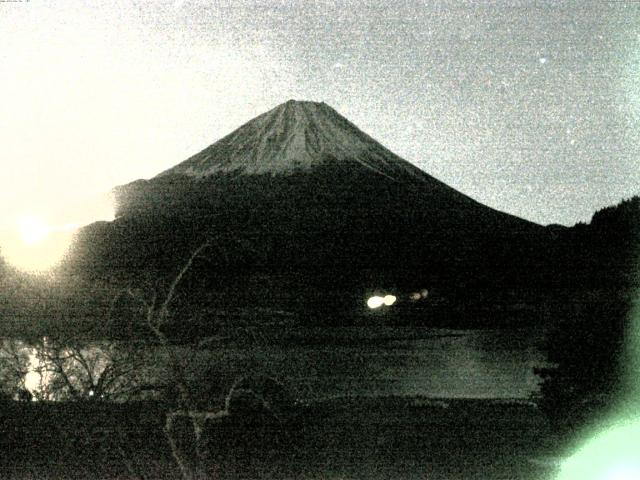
(367, 438)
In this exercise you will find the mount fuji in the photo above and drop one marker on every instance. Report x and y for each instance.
(300, 205)
(296, 136)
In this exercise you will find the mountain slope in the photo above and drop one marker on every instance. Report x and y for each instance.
(292, 137)
(301, 206)
(296, 139)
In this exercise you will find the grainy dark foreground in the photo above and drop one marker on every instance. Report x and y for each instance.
(360, 438)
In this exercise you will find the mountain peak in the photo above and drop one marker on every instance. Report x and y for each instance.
(295, 136)
(293, 101)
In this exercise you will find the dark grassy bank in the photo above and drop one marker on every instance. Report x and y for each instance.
(82, 440)
(393, 437)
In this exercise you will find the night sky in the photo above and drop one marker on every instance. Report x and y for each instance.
(529, 107)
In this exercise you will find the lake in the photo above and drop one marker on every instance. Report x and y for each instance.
(372, 361)
(410, 362)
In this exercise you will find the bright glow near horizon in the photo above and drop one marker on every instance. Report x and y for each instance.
(95, 99)
(35, 244)
(33, 229)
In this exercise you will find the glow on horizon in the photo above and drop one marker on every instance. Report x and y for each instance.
(34, 243)
(33, 229)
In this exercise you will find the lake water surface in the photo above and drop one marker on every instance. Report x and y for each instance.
(372, 361)
(406, 362)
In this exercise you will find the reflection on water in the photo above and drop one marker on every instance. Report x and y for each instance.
(437, 363)
(46, 369)
(477, 364)
(428, 362)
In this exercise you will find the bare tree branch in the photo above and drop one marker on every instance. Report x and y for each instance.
(176, 281)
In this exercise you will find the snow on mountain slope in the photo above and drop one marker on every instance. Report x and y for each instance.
(296, 136)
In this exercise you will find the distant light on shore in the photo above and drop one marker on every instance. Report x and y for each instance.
(389, 300)
(420, 295)
(375, 302)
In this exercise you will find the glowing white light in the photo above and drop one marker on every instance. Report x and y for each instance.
(543, 60)
(627, 472)
(389, 300)
(32, 229)
(33, 376)
(610, 455)
(35, 245)
(375, 302)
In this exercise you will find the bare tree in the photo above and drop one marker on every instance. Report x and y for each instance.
(75, 369)
(14, 366)
(188, 447)
(190, 458)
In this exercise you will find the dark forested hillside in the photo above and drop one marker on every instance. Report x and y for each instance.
(597, 272)
(322, 238)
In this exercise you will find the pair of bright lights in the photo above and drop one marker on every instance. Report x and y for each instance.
(377, 302)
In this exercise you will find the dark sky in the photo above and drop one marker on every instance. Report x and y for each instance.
(529, 107)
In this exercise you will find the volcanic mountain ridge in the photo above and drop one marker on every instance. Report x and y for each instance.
(299, 201)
